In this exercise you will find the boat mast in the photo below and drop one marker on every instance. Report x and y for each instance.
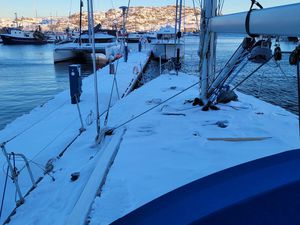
(80, 22)
(178, 17)
(123, 29)
(92, 34)
(208, 45)
(89, 22)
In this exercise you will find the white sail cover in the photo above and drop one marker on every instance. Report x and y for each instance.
(277, 21)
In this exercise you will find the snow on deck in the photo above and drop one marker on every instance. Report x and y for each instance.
(169, 147)
(52, 127)
(160, 151)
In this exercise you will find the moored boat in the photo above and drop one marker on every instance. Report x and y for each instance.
(82, 46)
(166, 45)
(14, 36)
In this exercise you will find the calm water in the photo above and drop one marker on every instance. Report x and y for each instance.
(29, 78)
(272, 83)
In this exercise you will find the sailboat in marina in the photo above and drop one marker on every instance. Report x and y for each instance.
(81, 47)
(169, 44)
(171, 151)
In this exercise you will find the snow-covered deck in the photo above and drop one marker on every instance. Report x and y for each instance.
(169, 147)
(160, 151)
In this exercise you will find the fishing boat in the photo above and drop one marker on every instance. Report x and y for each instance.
(167, 152)
(14, 36)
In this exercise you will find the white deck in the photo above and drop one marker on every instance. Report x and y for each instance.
(159, 152)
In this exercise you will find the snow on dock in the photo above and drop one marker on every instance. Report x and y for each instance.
(48, 130)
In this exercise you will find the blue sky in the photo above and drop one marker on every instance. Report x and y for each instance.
(63, 7)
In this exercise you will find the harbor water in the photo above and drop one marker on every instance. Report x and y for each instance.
(28, 77)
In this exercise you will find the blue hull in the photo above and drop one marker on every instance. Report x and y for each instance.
(262, 192)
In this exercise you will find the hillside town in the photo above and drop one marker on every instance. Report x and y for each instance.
(139, 19)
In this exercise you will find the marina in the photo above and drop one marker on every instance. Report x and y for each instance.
(202, 131)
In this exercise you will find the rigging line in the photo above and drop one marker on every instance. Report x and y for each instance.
(110, 99)
(115, 78)
(253, 72)
(163, 102)
(34, 124)
(54, 139)
(43, 169)
(222, 83)
(4, 191)
(70, 143)
(112, 4)
(51, 142)
(277, 65)
(238, 61)
(226, 64)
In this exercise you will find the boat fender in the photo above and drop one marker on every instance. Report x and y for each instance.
(295, 56)
(277, 54)
(179, 34)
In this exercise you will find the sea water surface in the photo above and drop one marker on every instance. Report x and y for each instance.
(275, 82)
(29, 78)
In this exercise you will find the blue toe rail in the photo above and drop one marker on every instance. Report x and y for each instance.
(265, 191)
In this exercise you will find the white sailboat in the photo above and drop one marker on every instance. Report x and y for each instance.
(82, 46)
(105, 43)
(169, 44)
(164, 161)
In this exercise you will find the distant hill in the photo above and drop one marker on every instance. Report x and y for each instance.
(142, 18)
(139, 19)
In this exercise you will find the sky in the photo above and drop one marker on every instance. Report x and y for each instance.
(29, 8)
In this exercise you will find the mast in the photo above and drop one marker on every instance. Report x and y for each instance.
(178, 17)
(208, 45)
(92, 34)
(89, 22)
(80, 22)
